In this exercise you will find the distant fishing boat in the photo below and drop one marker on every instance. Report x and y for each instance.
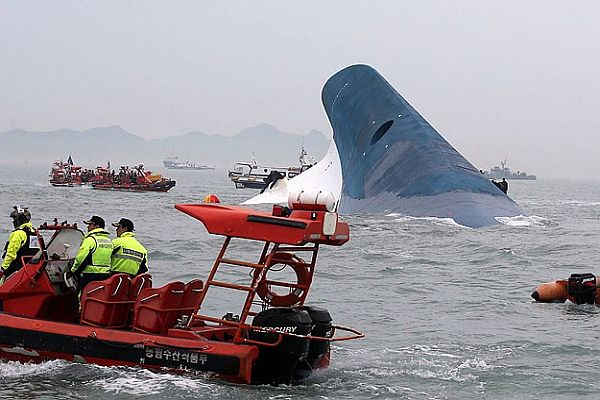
(173, 163)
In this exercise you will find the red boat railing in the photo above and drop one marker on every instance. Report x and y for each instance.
(267, 258)
(284, 237)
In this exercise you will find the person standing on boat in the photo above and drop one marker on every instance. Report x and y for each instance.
(21, 242)
(92, 262)
(504, 185)
(129, 256)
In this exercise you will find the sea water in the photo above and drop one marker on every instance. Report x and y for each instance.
(446, 309)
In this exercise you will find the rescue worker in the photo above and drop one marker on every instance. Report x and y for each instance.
(92, 262)
(271, 179)
(24, 210)
(21, 242)
(504, 184)
(128, 256)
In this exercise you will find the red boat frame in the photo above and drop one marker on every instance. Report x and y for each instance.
(40, 319)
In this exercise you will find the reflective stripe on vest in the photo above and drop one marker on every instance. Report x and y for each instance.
(100, 256)
(129, 254)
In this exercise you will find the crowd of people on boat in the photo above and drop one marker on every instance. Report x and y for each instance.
(126, 175)
(98, 256)
(65, 173)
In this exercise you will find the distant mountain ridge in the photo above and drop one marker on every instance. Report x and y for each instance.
(115, 144)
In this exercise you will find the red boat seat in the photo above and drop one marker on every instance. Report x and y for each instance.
(156, 310)
(106, 303)
(191, 296)
(138, 283)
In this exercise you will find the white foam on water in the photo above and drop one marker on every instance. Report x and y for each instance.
(145, 382)
(522, 220)
(424, 362)
(386, 252)
(435, 220)
(507, 250)
(15, 369)
(476, 364)
(582, 203)
(425, 350)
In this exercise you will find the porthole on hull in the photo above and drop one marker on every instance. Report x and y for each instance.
(382, 130)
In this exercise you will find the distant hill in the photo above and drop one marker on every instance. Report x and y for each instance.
(113, 143)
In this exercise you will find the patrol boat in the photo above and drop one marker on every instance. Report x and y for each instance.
(250, 174)
(504, 172)
(274, 338)
(174, 163)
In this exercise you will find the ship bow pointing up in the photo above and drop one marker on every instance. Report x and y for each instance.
(393, 160)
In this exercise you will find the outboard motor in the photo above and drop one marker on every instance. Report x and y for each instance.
(582, 287)
(321, 327)
(277, 364)
(318, 350)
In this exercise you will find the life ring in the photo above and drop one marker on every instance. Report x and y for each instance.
(303, 279)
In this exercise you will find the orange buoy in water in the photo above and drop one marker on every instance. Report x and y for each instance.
(579, 289)
(211, 198)
(551, 292)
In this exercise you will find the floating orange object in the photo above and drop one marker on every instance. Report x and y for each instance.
(579, 289)
(551, 292)
(211, 198)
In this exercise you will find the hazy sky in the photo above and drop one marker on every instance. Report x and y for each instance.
(498, 79)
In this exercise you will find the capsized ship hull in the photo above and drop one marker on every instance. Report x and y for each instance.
(392, 160)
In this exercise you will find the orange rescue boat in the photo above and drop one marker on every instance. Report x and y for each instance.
(579, 289)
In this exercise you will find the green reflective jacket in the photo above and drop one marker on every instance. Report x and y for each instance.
(17, 241)
(94, 253)
(129, 256)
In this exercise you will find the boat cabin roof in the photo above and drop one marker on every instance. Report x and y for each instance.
(301, 227)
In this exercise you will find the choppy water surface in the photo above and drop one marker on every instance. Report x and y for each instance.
(446, 309)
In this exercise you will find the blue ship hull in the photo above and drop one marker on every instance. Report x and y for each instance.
(393, 161)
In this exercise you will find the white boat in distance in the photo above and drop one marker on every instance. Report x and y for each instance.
(250, 174)
(173, 163)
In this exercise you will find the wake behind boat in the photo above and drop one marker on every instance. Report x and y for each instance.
(273, 338)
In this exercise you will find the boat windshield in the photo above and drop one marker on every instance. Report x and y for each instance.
(65, 244)
(240, 167)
